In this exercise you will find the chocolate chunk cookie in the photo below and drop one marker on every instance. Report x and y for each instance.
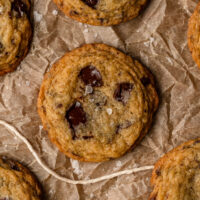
(16, 182)
(96, 103)
(176, 175)
(15, 33)
(101, 12)
(193, 35)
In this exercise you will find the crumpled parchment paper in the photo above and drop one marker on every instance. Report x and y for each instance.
(158, 38)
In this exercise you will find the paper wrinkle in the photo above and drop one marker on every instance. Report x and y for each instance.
(158, 38)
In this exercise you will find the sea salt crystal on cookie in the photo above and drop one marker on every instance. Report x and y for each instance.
(109, 111)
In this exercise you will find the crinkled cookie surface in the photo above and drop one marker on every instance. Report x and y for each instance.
(176, 175)
(16, 182)
(96, 103)
(101, 12)
(15, 33)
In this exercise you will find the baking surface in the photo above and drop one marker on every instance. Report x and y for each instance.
(158, 38)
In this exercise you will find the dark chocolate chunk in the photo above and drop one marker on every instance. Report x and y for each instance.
(117, 129)
(145, 81)
(158, 172)
(125, 125)
(91, 3)
(91, 76)
(196, 142)
(73, 12)
(13, 165)
(19, 7)
(1, 47)
(153, 197)
(59, 105)
(75, 115)
(122, 93)
(87, 137)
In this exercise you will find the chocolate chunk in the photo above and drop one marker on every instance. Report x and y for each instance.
(13, 165)
(153, 198)
(87, 137)
(73, 12)
(117, 129)
(59, 105)
(158, 172)
(145, 81)
(122, 93)
(91, 76)
(75, 115)
(196, 142)
(1, 47)
(91, 3)
(19, 7)
(125, 125)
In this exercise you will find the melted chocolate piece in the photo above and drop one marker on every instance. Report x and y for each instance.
(91, 76)
(19, 7)
(91, 3)
(122, 93)
(75, 115)
(145, 81)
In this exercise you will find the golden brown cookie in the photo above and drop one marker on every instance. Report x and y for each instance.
(16, 182)
(97, 102)
(101, 12)
(15, 33)
(176, 176)
(194, 35)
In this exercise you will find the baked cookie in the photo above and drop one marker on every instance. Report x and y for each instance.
(101, 12)
(194, 35)
(96, 103)
(15, 33)
(16, 182)
(176, 175)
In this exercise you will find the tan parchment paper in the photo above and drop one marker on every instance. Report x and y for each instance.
(158, 39)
